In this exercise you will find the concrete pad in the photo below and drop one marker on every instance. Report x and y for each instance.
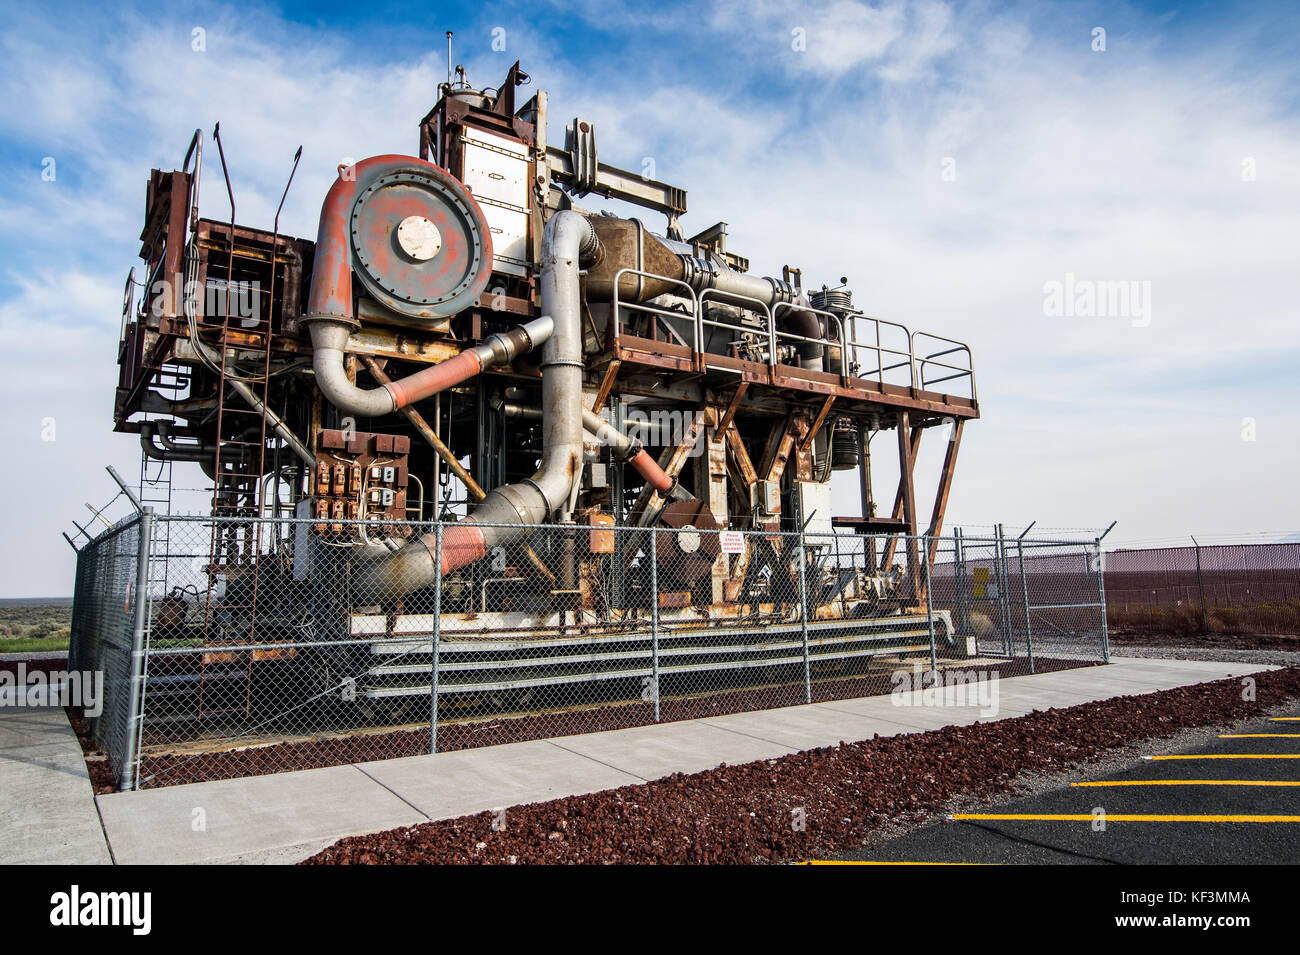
(256, 813)
(806, 727)
(912, 719)
(690, 746)
(446, 785)
(47, 806)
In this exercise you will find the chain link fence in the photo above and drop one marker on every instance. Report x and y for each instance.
(265, 645)
(107, 635)
(1225, 588)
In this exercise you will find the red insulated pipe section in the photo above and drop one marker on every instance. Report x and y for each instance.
(435, 378)
(462, 545)
(649, 469)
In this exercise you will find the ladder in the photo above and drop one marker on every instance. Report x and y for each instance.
(241, 339)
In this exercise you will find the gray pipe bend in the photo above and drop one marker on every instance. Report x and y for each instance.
(596, 427)
(567, 242)
(329, 339)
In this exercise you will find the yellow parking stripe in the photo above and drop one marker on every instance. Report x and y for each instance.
(1114, 817)
(1259, 735)
(1285, 719)
(1229, 756)
(873, 862)
(1192, 782)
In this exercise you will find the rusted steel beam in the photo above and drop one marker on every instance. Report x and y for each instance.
(945, 487)
(739, 456)
(777, 451)
(907, 486)
(671, 461)
(725, 423)
(606, 385)
(897, 513)
(817, 424)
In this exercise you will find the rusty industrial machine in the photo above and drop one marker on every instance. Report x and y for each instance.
(466, 344)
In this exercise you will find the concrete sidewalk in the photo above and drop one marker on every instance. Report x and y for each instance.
(289, 816)
(47, 808)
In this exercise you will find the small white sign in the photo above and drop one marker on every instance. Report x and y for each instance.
(733, 542)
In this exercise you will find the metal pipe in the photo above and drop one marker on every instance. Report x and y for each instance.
(740, 287)
(568, 242)
(624, 447)
(329, 338)
(153, 452)
(274, 420)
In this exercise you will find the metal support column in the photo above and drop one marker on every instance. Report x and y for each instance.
(1004, 609)
(1200, 585)
(959, 583)
(1101, 598)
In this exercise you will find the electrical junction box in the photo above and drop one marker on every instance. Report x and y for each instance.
(765, 497)
(815, 507)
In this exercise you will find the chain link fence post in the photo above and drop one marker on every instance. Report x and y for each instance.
(929, 604)
(1101, 599)
(140, 624)
(1003, 611)
(1024, 593)
(654, 619)
(434, 637)
(1200, 585)
(959, 583)
(802, 557)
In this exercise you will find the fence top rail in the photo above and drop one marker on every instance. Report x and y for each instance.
(428, 526)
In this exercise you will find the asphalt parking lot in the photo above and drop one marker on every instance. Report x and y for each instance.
(1235, 801)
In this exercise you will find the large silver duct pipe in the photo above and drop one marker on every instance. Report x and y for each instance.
(568, 242)
(740, 288)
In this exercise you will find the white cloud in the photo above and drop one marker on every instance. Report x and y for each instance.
(1123, 165)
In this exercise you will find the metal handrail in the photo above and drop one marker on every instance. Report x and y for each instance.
(839, 325)
(195, 150)
(128, 303)
(848, 341)
(617, 305)
(959, 371)
(730, 298)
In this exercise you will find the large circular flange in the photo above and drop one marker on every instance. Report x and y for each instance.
(421, 244)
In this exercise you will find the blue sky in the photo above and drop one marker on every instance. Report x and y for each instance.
(1123, 164)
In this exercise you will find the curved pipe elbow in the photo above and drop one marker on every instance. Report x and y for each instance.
(329, 340)
(629, 450)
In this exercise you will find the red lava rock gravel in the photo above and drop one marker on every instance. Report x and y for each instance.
(744, 814)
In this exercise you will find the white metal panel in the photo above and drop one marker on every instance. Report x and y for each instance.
(496, 172)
